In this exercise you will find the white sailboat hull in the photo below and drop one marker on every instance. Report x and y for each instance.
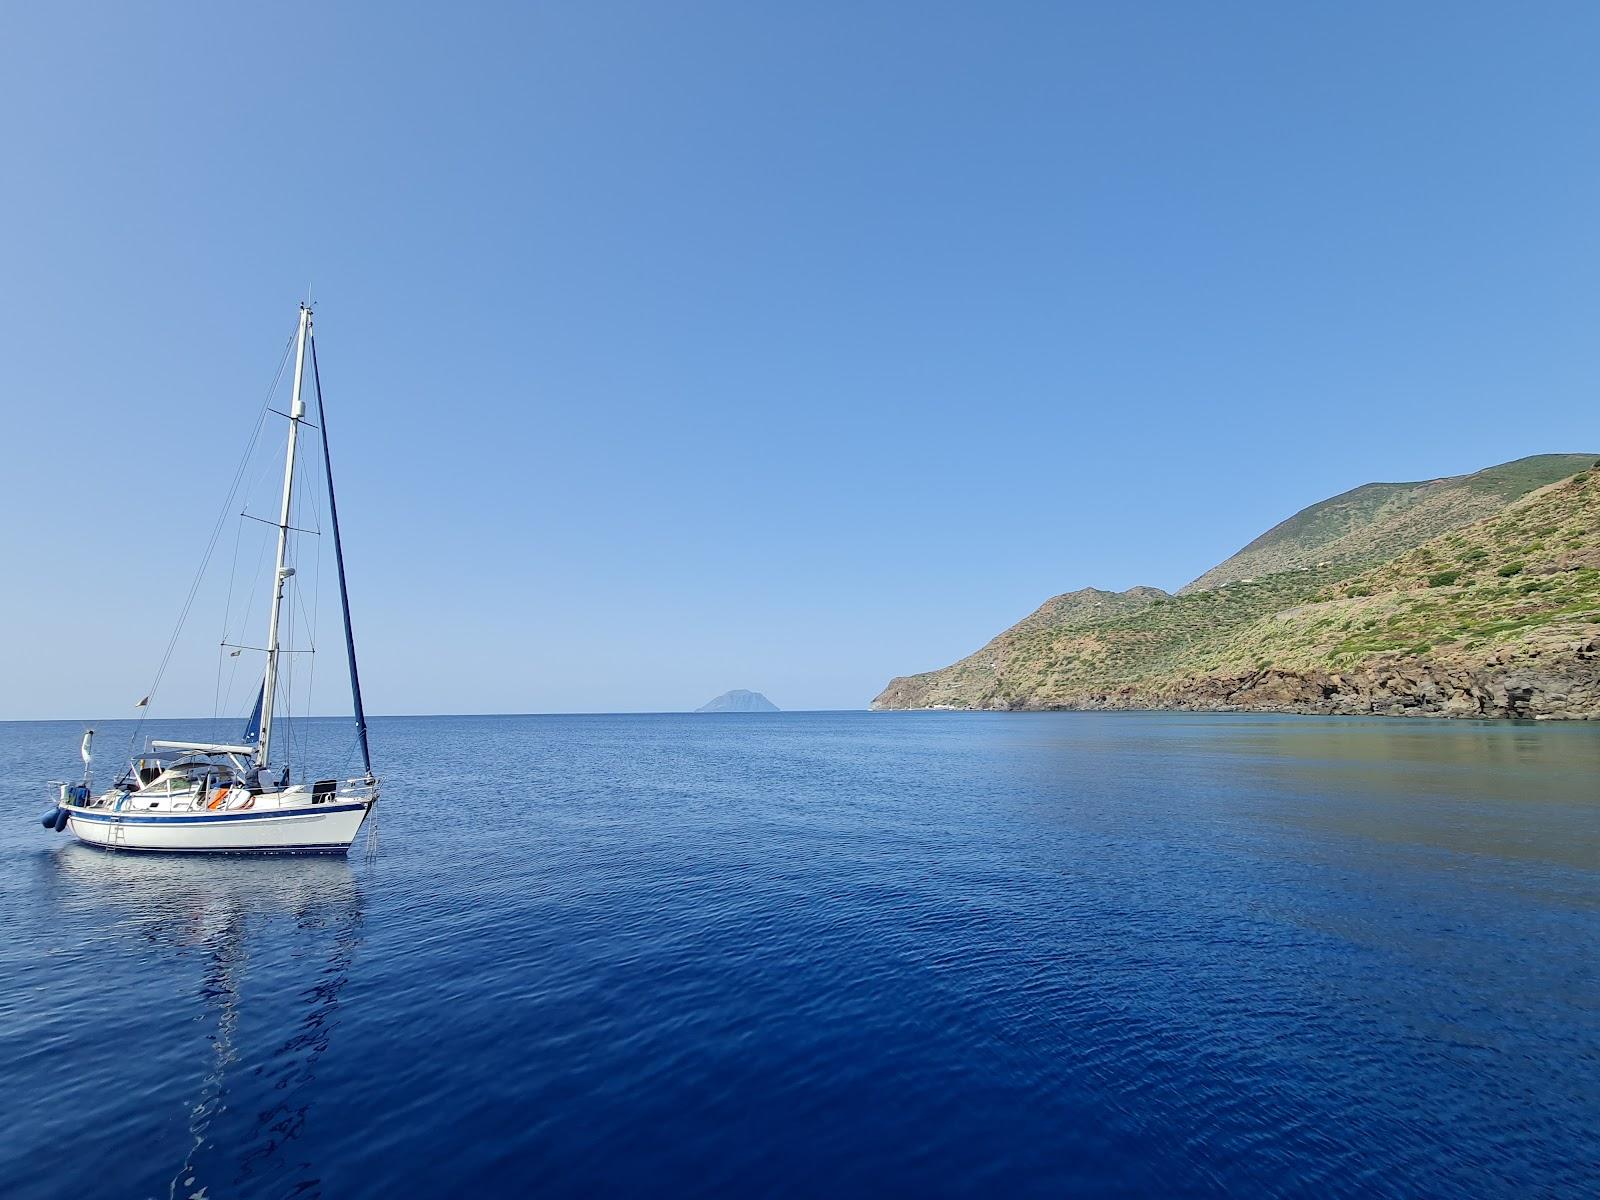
(318, 829)
(219, 797)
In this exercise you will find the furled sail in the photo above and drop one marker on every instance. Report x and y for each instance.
(344, 589)
(252, 729)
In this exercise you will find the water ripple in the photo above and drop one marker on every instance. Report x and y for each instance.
(825, 954)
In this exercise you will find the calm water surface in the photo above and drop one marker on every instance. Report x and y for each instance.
(825, 954)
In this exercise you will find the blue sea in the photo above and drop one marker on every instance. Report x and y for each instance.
(833, 954)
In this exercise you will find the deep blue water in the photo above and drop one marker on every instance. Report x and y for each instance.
(834, 954)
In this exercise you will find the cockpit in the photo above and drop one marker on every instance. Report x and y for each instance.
(176, 774)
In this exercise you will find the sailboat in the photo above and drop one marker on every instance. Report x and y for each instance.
(233, 798)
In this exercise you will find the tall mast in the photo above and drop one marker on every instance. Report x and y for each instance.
(281, 574)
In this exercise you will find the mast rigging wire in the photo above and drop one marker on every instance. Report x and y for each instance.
(211, 545)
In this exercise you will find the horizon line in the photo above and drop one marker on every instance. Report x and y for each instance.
(653, 712)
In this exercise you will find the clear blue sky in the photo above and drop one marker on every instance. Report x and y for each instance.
(681, 347)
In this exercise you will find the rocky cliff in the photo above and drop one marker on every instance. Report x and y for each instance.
(1499, 617)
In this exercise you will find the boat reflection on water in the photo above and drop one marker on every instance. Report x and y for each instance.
(302, 918)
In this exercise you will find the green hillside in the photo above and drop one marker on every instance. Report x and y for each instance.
(1015, 665)
(1456, 616)
(1530, 571)
(1375, 522)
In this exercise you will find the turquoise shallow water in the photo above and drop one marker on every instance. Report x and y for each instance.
(825, 954)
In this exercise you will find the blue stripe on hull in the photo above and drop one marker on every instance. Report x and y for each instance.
(130, 817)
(298, 850)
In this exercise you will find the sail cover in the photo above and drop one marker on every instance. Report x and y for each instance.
(338, 558)
(252, 729)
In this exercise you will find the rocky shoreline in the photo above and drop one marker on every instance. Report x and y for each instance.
(1559, 680)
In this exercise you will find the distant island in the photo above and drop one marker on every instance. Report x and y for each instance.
(739, 700)
(1469, 596)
